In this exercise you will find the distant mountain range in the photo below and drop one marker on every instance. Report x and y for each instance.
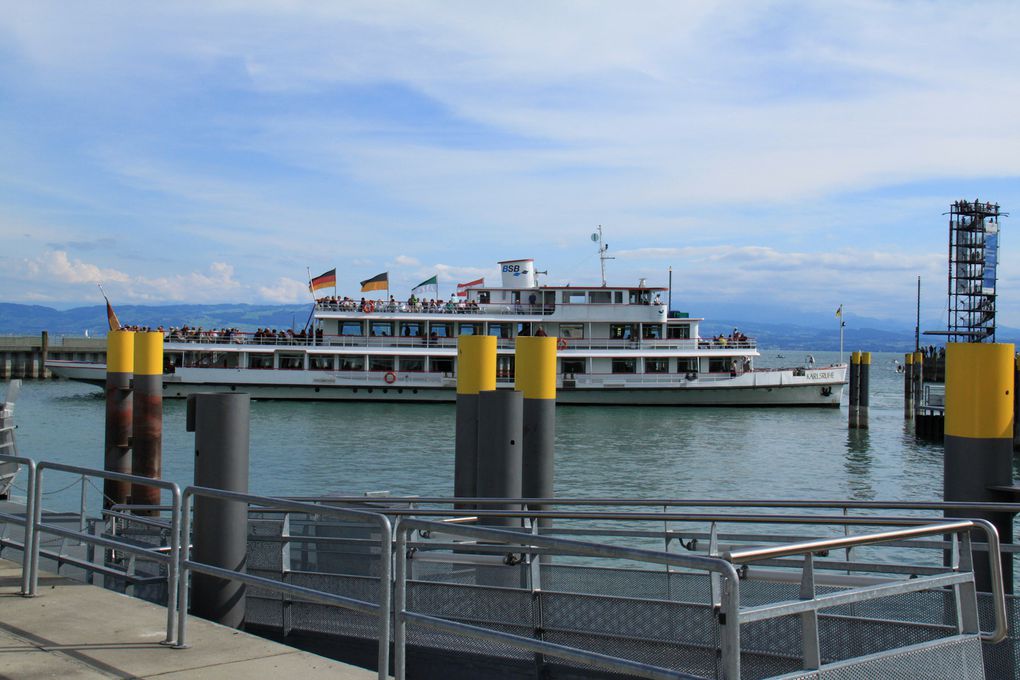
(773, 328)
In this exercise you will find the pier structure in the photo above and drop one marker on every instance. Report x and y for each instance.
(717, 599)
(973, 262)
(24, 356)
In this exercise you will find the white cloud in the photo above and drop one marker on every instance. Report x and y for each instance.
(285, 291)
(217, 284)
(57, 266)
(406, 261)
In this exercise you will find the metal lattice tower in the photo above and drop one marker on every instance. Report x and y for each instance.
(973, 256)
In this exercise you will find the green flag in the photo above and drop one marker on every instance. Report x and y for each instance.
(427, 283)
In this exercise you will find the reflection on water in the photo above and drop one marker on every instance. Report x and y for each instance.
(649, 452)
(858, 465)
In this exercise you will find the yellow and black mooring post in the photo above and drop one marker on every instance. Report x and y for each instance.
(979, 438)
(908, 385)
(1016, 404)
(147, 420)
(120, 361)
(863, 387)
(535, 377)
(854, 403)
(476, 372)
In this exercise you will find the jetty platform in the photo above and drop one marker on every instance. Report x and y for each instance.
(77, 631)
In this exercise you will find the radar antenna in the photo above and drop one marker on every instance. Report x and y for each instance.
(603, 247)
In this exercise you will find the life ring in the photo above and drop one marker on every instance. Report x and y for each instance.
(369, 307)
(390, 377)
(561, 343)
(692, 376)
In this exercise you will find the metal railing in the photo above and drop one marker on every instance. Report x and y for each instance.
(728, 622)
(723, 566)
(381, 609)
(961, 580)
(27, 583)
(170, 559)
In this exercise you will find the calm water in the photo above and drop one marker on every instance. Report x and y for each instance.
(640, 452)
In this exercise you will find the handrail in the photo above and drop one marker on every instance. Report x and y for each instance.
(171, 559)
(810, 547)
(27, 583)
(728, 620)
(675, 502)
(381, 610)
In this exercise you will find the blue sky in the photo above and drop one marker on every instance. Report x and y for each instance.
(796, 155)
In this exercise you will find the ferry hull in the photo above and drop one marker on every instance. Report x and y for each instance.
(772, 388)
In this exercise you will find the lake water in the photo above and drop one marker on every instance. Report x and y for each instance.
(639, 452)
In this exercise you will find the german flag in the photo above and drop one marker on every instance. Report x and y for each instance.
(326, 280)
(380, 282)
(111, 317)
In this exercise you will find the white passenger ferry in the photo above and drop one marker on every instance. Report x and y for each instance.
(617, 345)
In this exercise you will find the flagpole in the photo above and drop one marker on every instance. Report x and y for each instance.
(842, 324)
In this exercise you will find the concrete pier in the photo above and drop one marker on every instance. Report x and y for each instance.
(24, 356)
(83, 632)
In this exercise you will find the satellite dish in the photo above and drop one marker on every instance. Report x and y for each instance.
(595, 237)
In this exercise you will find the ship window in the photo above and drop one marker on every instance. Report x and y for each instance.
(573, 297)
(320, 363)
(441, 364)
(377, 363)
(416, 364)
(719, 365)
(500, 330)
(656, 365)
(442, 329)
(686, 365)
(292, 362)
(260, 361)
(410, 329)
(571, 331)
(622, 331)
(679, 331)
(483, 297)
(351, 362)
(624, 366)
(618, 297)
(651, 331)
(351, 328)
(599, 297)
(381, 328)
(470, 328)
(641, 296)
(572, 365)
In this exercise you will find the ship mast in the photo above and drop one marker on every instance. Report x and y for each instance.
(603, 247)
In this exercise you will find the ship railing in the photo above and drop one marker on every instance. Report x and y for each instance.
(448, 309)
(423, 341)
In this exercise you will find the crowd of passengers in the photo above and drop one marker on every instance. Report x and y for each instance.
(734, 338)
(413, 304)
(263, 336)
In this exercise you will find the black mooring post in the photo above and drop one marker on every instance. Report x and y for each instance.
(220, 527)
(863, 387)
(500, 430)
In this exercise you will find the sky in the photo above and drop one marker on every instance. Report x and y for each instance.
(794, 155)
